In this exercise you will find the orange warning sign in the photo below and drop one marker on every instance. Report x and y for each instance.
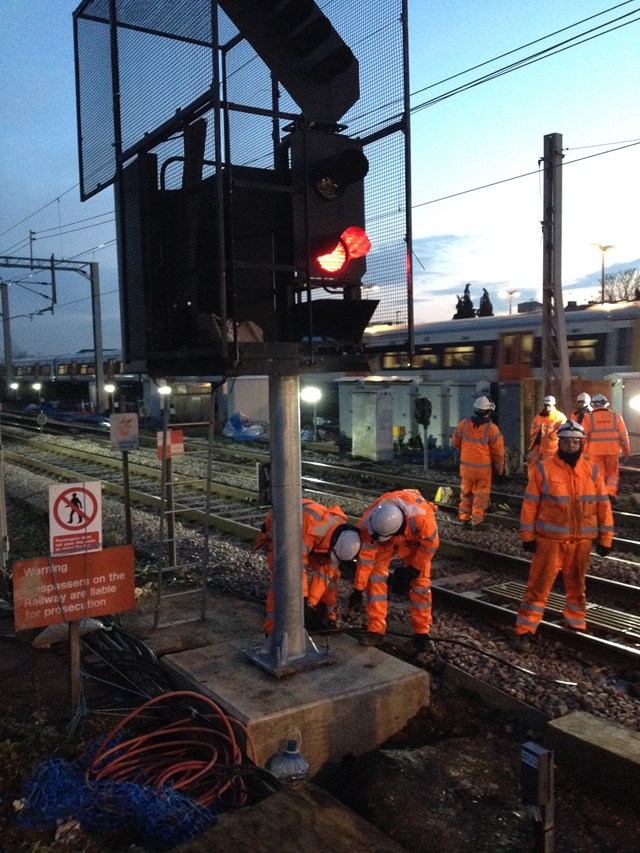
(50, 590)
(175, 443)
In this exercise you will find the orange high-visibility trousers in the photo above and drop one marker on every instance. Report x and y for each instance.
(376, 593)
(552, 556)
(610, 467)
(475, 491)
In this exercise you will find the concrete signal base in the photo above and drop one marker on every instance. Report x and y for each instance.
(347, 708)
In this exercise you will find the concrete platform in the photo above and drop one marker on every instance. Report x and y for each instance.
(303, 820)
(596, 751)
(349, 707)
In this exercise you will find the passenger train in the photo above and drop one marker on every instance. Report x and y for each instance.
(499, 355)
(601, 339)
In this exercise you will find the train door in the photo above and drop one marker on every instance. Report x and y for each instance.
(515, 356)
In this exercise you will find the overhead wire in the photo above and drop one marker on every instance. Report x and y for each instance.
(574, 41)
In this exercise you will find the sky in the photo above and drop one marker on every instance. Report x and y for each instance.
(486, 136)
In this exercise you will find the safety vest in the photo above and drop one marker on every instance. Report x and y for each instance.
(544, 430)
(606, 433)
(418, 541)
(480, 446)
(565, 502)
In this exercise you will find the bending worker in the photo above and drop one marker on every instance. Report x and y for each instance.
(481, 448)
(327, 541)
(543, 432)
(607, 439)
(565, 508)
(398, 523)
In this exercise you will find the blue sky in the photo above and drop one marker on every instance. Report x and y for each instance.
(492, 132)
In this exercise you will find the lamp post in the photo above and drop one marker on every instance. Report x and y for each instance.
(510, 295)
(15, 387)
(110, 389)
(602, 249)
(37, 387)
(311, 394)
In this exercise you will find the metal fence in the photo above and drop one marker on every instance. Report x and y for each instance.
(146, 67)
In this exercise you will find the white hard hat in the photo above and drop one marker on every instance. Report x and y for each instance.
(570, 429)
(583, 398)
(600, 400)
(549, 400)
(483, 404)
(346, 543)
(387, 519)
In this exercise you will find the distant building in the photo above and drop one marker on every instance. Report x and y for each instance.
(528, 307)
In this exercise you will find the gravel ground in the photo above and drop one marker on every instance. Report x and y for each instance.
(448, 783)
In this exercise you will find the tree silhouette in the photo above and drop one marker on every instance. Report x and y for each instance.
(486, 308)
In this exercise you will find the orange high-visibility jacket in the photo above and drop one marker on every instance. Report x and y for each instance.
(546, 427)
(481, 447)
(318, 525)
(606, 433)
(415, 545)
(565, 502)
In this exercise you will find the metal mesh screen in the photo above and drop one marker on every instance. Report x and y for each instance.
(161, 65)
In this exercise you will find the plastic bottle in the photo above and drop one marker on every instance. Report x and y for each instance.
(289, 766)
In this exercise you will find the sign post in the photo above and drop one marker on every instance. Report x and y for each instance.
(125, 437)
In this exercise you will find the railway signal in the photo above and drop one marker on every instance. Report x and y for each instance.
(330, 240)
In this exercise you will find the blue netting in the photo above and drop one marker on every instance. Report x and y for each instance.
(163, 817)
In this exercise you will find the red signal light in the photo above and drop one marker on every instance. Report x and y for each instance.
(353, 243)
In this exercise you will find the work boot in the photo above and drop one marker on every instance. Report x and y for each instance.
(371, 638)
(522, 642)
(475, 522)
(423, 643)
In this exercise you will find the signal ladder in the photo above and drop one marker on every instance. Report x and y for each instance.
(169, 565)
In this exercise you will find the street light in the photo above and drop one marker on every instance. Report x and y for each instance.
(110, 390)
(37, 387)
(510, 294)
(311, 394)
(602, 249)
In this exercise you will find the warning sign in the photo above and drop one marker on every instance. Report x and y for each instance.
(50, 590)
(124, 432)
(75, 518)
(175, 443)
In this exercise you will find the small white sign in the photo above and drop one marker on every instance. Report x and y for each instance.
(75, 518)
(124, 432)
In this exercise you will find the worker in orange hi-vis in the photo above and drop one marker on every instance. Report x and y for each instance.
(328, 541)
(400, 524)
(543, 432)
(481, 447)
(565, 511)
(607, 440)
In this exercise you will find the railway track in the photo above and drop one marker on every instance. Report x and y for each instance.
(486, 583)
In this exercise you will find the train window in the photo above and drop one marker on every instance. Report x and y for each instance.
(583, 351)
(62, 370)
(624, 348)
(517, 349)
(526, 349)
(395, 360)
(426, 357)
(460, 356)
(487, 355)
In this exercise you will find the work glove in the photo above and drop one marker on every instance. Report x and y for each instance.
(355, 600)
(400, 580)
(530, 546)
(312, 619)
(602, 550)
